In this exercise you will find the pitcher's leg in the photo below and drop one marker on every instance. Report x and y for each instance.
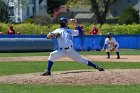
(56, 55)
(50, 64)
(53, 56)
(75, 56)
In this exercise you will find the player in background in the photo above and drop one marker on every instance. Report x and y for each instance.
(64, 37)
(111, 45)
(80, 29)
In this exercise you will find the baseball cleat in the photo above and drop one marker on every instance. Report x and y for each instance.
(100, 68)
(47, 73)
(107, 57)
(118, 57)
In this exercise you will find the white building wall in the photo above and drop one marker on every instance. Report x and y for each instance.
(18, 11)
(23, 13)
(43, 8)
(11, 4)
(29, 9)
(37, 7)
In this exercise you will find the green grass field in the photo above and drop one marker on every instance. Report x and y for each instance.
(10, 68)
(122, 52)
(13, 88)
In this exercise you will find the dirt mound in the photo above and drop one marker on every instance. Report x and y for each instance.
(80, 77)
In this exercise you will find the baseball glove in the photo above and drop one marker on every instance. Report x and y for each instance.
(53, 35)
(112, 49)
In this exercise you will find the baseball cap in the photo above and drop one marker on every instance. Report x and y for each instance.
(63, 19)
(109, 33)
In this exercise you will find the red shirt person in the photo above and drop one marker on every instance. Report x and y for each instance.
(94, 31)
(10, 30)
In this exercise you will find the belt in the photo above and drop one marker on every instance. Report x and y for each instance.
(66, 48)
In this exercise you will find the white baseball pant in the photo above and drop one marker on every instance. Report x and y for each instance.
(71, 53)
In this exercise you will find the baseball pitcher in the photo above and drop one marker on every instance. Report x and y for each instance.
(64, 37)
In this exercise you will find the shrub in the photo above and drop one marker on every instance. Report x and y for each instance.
(29, 20)
(105, 28)
(42, 20)
(3, 27)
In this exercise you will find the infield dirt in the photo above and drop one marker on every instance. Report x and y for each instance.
(77, 77)
(124, 58)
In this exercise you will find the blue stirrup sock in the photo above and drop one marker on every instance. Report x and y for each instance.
(108, 54)
(50, 63)
(92, 64)
(118, 54)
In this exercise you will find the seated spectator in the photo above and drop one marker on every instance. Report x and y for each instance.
(10, 30)
(94, 31)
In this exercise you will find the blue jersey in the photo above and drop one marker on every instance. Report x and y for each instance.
(80, 30)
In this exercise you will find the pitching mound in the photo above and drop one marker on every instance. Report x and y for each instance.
(80, 77)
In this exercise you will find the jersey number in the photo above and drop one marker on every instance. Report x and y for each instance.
(70, 37)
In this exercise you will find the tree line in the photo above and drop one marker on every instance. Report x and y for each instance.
(99, 7)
